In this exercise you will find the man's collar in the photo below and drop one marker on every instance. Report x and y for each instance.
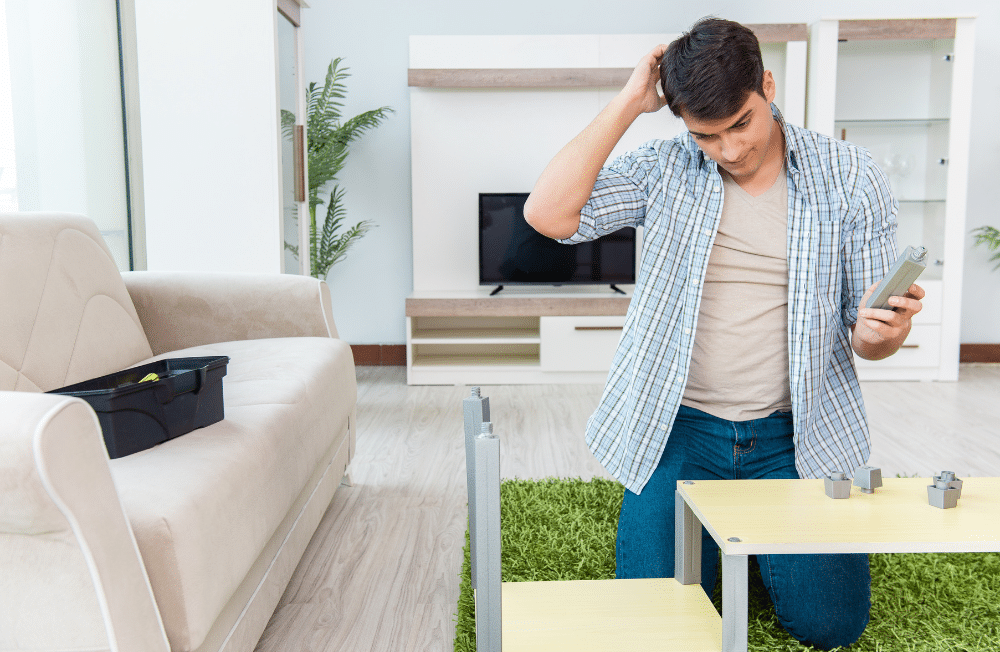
(791, 158)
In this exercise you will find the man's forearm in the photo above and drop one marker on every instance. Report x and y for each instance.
(553, 207)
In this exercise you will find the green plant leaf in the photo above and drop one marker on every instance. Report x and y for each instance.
(327, 148)
(989, 237)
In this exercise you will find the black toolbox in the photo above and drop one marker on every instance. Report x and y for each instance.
(138, 415)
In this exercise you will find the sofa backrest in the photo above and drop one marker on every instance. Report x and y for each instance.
(65, 315)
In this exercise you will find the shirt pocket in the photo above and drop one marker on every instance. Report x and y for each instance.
(829, 275)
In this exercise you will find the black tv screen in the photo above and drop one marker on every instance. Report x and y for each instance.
(513, 253)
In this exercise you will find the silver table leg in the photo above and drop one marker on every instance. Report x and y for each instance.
(687, 543)
(487, 536)
(476, 412)
(734, 603)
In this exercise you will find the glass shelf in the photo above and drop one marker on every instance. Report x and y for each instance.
(888, 122)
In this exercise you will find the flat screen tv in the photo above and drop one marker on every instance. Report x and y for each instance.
(513, 253)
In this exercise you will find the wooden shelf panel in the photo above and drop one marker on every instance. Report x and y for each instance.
(780, 32)
(916, 28)
(518, 77)
(600, 615)
(476, 361)
(516, 306)
(889, 123)
(567, 77)
(796, 517)
(477, 336)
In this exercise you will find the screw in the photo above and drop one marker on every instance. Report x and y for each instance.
(734, 539)
(475, 392)
(486, 429)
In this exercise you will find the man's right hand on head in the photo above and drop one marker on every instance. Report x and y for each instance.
(642, 86)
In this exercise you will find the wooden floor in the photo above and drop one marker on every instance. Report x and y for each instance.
(381, 573)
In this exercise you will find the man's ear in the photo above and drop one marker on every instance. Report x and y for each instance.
(770, 88)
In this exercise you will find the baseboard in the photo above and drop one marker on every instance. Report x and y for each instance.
(375, 355)
(979, 353)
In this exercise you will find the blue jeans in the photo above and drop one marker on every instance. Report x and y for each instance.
(821, 600)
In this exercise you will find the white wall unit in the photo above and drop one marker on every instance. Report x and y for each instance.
(903, 90)
(488, 126)
(470, 140)
(579, 343)
(455, 338)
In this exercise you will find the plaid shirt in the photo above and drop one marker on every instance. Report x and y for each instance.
(841, 240)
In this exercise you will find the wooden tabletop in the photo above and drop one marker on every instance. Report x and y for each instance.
(797, 517)
(651, 615)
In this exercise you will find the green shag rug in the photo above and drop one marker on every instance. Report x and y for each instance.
(558, 529)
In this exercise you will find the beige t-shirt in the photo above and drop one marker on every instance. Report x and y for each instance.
(739, 366)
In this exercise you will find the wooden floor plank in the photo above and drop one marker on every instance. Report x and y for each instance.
(381, 573)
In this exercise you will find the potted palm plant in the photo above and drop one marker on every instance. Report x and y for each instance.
(329, 140)
(990, 237)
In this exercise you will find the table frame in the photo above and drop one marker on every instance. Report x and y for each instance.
(896, 518)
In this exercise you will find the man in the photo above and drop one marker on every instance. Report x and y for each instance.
(760, 241)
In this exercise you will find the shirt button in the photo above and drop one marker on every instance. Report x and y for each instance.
(663, 427)
(715, 188)
(708, 232)
(687, 331)
(694, 281)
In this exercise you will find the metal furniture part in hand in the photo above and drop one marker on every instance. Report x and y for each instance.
(593, 615)
(757, 517)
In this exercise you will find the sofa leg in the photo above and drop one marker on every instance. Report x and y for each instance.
(346, 481)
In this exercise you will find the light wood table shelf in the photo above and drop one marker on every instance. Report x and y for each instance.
(609, 616)
(750, 517)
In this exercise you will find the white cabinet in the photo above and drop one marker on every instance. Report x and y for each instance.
(579, 343)
(469, 338)
(902, 89)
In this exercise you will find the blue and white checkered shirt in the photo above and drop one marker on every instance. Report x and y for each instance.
(841, 240)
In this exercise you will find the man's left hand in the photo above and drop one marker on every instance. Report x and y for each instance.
(879, 333)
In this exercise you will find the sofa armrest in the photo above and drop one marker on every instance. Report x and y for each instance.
(72, 573)
(179, 310)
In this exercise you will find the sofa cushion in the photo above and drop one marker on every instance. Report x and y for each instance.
(204, 505)
(67, 316)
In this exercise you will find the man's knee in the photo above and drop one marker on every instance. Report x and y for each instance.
(821, 600)
(829, 633)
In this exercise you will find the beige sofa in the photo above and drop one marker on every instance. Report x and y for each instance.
(187, 546)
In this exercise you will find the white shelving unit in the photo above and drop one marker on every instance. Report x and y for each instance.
(521, 99)
(902, 88)
(472, 338)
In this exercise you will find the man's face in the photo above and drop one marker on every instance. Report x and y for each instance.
(741, 143)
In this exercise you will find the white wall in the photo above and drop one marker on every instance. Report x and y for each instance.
(513, 133)
(61, 143)
(208, 98)
(370, 287)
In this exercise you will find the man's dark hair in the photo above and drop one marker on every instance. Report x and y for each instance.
(708, 72)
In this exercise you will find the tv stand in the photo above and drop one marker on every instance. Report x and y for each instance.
(617, 289)
(479, 338)
(496, 290)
